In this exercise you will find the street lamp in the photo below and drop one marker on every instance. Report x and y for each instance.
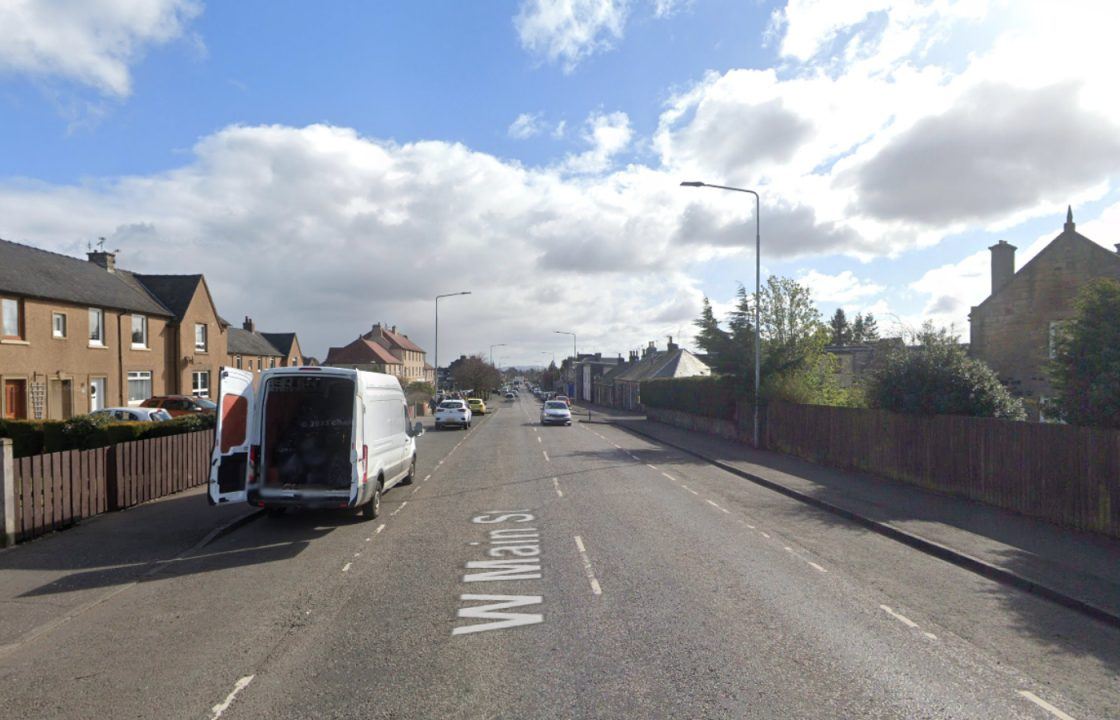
(757, 289)
(492, 351)
(543, 352)
(565, 332)
(465, 292)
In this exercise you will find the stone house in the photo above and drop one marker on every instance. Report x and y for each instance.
(363, 354)
(78, 335)
(1013, 330)
(411, 356)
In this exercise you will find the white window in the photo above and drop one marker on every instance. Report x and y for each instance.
(139, 331)
(1056, 329)
(12, 319)
(96, 326)
(139, 386)
(237, 361)
(58, 325)
(200, 337)
(200, 384)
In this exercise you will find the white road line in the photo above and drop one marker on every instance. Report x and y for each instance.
(426, 477)
(546, 457)
(346, 567)
(690, 490)
(587, 567)
(669, 476)
(929, 635)
(617, 445)
(788, 549)
(633, 456)
(368, 539)
(901, 618)
(651, 467)
(539, 439)
(749, 525)
(398, 509)
(763, 534)
(718, 507)
(379, 528)
(816, 566)
(415, 490)
(357, 554)
(1045, 705)
(556, 484)
(217, 710)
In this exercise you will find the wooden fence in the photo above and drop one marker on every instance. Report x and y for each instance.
(55, 490)
(1064, 474)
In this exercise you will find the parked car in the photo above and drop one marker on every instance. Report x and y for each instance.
(564, 399)
(477, 406)
(556, 412)
(453, 412)
(133, 414)
(313, 437)
(177, 405)
(509, 396)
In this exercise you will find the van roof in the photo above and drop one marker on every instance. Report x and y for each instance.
(369, 379)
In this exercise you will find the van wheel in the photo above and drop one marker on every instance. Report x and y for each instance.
(373, 507)
(408, 479)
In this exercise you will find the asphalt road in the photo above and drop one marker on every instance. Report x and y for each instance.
(565, 572)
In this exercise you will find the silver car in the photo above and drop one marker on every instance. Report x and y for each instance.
(133, 414)
(556, 412)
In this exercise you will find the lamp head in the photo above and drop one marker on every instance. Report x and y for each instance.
(692, 183)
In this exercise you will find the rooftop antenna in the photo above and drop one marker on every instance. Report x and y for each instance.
(101, 243)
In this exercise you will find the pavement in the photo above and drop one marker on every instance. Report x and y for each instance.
(1083, 568)
(561, 572)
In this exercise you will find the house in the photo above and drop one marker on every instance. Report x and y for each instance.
(1013, 330)
(78, 335)
(253, 350)
(291, 355)
(621, 386)
(856, 362)
(363, 354)
(588, 369)
(411, 356)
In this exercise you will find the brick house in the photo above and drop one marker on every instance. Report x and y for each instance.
(363, 354)
(79, 335)
(1013, 329)
(412, 356)
(291, 355)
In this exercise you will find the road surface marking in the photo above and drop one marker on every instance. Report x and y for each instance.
(788, 549)
(901, 618)
(1045, 705)
(368, 539)
(716, 506)
(379, 528)
(217, 710)
(690, 490)
(816, 566)
(633, 456)
(415, 490)
(929, 635)
(763, 534)
(556, 484)
(501, 620)
(357, 554)
(651, 467)
(669, 476)
(617, 445)
(587, 567)
(398, 509)
(752, 527)
(546, 457)
(426, 477)
(346, 567)
(539, 439)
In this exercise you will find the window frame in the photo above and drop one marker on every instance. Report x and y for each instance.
(65, 326)
(20, 325)
(138, 375)
(195, 386)
(205, 344)
(98, 341)
(144, 329)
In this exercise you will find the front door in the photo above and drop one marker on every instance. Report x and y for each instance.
(96, 394)
(15, 399)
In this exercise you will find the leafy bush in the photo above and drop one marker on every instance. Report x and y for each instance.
(84, 432)
(26, 436)
(1085, 371)
(710, 396)
(936, 377)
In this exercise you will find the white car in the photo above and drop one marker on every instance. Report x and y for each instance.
(133, 414)
(453, 412)
(556, 412)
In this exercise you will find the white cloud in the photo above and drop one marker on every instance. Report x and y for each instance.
(525, 126)
(843, 287)
(608, 134)
(560, 129)
(92, 42)
(569, 31)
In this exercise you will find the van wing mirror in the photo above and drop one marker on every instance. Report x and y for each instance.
(417, 429)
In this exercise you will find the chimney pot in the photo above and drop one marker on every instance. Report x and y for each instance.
(104, 259)
(248, 324)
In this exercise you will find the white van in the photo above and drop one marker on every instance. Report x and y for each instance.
(312, 437)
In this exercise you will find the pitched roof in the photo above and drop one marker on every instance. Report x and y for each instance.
(359, 352)
(245, 342)
(394, 339)
(281, 341)
(25, 270)
(664, 364)
(174, 291)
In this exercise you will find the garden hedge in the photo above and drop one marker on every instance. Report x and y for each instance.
(33, 437)
(710, 396)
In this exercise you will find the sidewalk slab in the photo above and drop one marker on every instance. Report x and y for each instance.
(48, 577)
(1080, 565)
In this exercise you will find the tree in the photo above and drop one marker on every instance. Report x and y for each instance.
(842, 332)
(865, 329)
(1085, 370)
(550, 377)
(474, 373)
(936, 377)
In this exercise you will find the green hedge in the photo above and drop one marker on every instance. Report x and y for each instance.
(710, 396)
(83, 432)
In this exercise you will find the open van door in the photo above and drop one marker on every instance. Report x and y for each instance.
(230, 462)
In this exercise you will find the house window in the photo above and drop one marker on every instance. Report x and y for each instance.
(96, 326)
(200, 384)
(1057, 327)
(237, 361)
(273, 363)
(200, 337)
(11, 318)
(58, 325)
(139, 386)
(139, 331)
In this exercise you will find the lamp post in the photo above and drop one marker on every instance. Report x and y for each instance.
(565, 332)
(464, 292)
(757, 289)
(492, 351)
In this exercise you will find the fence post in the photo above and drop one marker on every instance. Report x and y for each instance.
(7, 493)
(112, 487)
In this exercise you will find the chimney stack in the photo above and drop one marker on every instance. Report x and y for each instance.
(1003, 264)
(672, 345)
(104, 258)
(248, 324)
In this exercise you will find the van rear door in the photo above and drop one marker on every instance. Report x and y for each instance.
(230, 463)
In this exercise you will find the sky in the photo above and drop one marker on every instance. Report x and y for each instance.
(332, 165)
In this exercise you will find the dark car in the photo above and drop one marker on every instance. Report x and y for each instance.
(177, 405)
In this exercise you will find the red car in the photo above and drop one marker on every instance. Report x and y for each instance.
(177, 405)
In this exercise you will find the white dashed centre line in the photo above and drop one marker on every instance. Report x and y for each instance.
(587, 567)
(717, 506)
(546, 457)
(398, 509)
(897, 616)
(817, 567)
(669, 476)
(763, 534)
(1045, 705)
(539, 439)
(426, 477)
(651, 467)
(556, 484)
(346, 567)
(379, 528)
(217, 710)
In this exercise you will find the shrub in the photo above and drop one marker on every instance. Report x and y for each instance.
(710, 396)
(84, 432)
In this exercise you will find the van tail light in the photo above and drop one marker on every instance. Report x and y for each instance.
(365, 463)
(254, 460)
